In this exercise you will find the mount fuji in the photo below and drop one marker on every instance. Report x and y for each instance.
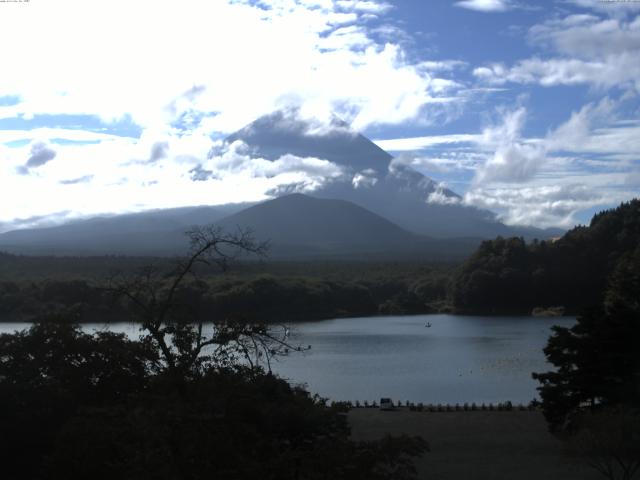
(371, 178)
(375, 204)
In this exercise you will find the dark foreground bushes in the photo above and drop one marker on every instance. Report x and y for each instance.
(75, 405)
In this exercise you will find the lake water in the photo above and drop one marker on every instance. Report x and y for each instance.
(458, 359)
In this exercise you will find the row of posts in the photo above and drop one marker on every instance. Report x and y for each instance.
(442, 407)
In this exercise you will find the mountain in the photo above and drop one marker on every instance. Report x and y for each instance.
(297, 227)
(155, 232)
(302, 220)
(302, 226)
(375, 205)
(283, 132)
(372, 179)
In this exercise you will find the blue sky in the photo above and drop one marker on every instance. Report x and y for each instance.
(526, 108)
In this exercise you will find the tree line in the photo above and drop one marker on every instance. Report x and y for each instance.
(508, 275)
(272, 297)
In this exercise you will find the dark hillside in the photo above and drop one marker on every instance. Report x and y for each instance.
(511, 276)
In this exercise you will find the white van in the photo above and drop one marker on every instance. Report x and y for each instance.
(386, 404)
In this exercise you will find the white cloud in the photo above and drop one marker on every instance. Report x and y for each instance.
(246, 61)
(418, 143)
(364, 6)
(215, 67)
(590, 160)
(598, 169)
(365, 179)
(608, 6)
(587, 49)
(438, 196)
(100, 178)
(543, 206)
(443, 65)
(237, 160)
(484, 5)
(513, 160)
(7, 136)
(617, 71)
(588, 36)
(516, 163)
(450, 161)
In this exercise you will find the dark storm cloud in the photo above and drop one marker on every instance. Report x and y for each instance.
(41, 153)
(199, 174)
(158, 151)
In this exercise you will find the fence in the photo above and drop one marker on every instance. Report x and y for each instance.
(443, 407)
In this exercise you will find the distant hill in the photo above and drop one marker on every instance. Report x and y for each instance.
(300, 226)
(156, 232)
(506, 275)
(301, 220)
(297, 227)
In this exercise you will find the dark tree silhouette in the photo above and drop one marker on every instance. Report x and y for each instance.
(507, 275)
(189, 400)
(166, 303)
(597, 359)
(52, 371)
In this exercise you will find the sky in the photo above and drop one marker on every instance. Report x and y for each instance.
(529, 109)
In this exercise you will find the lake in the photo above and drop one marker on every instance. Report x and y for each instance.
(458, 359)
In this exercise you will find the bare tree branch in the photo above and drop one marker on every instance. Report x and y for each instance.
(175, 325)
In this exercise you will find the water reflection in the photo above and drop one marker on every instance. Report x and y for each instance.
(458, 359)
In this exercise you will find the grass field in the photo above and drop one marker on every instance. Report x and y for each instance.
(477, 445)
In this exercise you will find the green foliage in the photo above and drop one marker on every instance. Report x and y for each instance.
(510, 276)
(52, 371)
(597, 359)
(290, 292)
(79, 406)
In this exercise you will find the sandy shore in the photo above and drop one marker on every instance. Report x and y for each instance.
(477, 445)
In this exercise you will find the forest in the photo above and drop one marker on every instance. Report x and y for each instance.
(503, 276)
(279, 291)
(508, 275)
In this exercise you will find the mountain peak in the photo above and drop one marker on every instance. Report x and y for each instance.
(288, 132)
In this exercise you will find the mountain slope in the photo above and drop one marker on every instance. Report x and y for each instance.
(298, 219)
(156, 232)
(372, 179)
(282, 132)
(300, 226)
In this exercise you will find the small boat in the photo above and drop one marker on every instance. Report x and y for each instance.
(428, 325)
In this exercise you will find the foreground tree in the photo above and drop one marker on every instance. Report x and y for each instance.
(593, 397)
(169, 307)
(53, 371)
(189, 400)
(597, 359)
